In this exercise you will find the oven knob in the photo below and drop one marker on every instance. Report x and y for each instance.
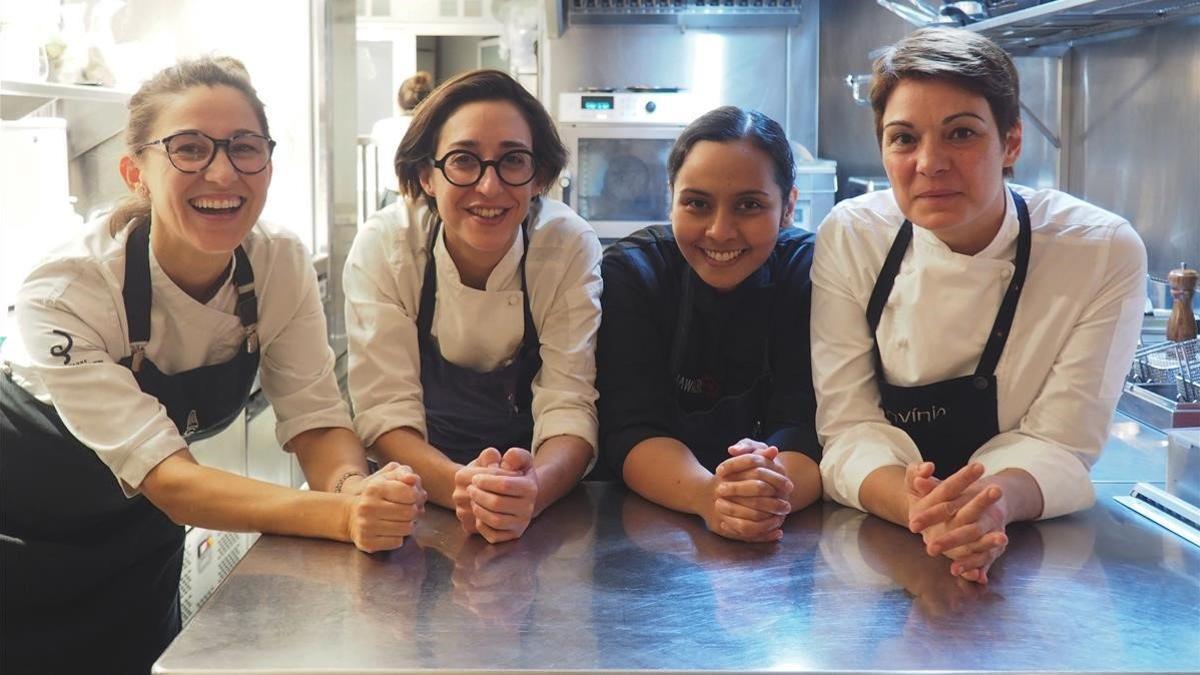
(651, 106)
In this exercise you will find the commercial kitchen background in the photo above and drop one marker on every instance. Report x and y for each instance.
(1112, 117)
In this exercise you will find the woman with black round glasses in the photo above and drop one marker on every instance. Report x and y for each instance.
(140, 337)
(472, 307)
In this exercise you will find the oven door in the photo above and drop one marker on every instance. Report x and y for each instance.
(616, 177)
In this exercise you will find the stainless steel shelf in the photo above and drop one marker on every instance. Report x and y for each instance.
(93, 114)
(1063, 21)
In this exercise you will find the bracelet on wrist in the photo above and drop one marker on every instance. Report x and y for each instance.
(337, 487)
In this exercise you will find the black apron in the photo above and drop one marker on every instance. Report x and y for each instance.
(467, 411)
(949, 420)
(709, 433)
(91, 577)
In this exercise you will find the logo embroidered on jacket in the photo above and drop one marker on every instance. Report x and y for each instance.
(193, 424)
(62, 350)
(703, 385)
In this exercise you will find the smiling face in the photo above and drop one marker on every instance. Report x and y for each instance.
(210, 212)
(945, 158)
(727, 209)
(481, 220)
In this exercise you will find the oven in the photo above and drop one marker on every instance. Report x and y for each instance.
(616, 176)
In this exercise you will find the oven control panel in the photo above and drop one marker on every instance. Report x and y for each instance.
(622, 107)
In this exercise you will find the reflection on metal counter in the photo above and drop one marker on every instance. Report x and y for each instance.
(604, 581)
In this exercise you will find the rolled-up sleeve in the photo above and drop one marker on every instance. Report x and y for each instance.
(856, 436)
(564, 390)
(297, 368)
(1060, 437)
(64, 312)
(381, 330)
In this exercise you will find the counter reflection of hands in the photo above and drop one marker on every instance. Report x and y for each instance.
(936, 595)
(962, 517)
(386, 508)
(496, 583)
(750, 494)
(495, 494)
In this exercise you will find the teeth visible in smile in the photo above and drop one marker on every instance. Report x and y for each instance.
(209, 203)
(486, 213)
(722, 256)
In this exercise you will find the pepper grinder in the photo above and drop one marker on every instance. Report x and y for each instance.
(1182, 324)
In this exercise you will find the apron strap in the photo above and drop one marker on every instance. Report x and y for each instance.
(1008, 307)
(429, 285)
(683, 321)
(887, 275)
(136, 292)
(883, 288)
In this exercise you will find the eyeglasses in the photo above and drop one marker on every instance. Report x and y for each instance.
(464, 169)
(193, 151)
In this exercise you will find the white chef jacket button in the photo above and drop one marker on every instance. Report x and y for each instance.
(512, 301)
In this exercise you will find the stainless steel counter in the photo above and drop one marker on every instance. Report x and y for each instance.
(606, 581)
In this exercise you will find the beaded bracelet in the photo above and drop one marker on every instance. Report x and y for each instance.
(342, 481)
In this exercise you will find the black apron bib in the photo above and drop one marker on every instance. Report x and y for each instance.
(467, 411)
(90, 577)
(949, 420)
(709, 433)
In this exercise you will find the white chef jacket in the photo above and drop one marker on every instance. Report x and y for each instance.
(1061, 372)
(76, 289)
(477, 329)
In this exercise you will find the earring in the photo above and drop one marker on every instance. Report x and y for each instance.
(143, 191)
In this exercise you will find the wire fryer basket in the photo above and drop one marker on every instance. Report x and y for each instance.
(1170, 362)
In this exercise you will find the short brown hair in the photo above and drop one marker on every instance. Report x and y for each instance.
(146, 104)
(414, 90)
(420, 141)
(959, 56)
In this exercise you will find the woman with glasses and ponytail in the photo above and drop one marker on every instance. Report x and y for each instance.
(141, 336)
(472, 306)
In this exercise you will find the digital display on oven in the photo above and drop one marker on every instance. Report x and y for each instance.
(597, 102)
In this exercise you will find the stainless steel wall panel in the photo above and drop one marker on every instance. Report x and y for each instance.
(772, 69)
(849, 32)
(1135, 135)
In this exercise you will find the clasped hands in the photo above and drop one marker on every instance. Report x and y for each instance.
(495, 495)
(385, 508)
(750, 494)
(962, 517)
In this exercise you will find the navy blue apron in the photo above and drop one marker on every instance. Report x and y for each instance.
(709, 433)
(949, 420)
(91, 577)
(467, 411)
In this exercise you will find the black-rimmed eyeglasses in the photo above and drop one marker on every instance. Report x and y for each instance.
(194, 151)
(464, 168)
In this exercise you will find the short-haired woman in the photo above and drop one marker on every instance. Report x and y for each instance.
(472, 306)
(970, 337)
(706, 399)
(135, 340)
